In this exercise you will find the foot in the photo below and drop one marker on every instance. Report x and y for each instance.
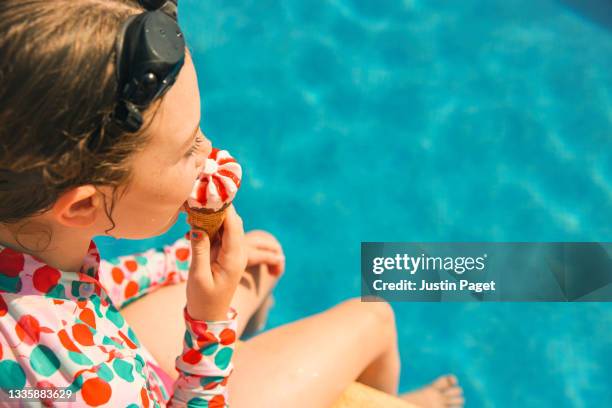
(444, 392)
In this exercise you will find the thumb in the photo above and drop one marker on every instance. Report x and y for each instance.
(200, 252)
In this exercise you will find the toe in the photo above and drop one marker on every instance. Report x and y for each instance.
(455, 402)
(444, 382)
(453, 392)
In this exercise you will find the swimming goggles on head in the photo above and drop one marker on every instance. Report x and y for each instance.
(150, 54)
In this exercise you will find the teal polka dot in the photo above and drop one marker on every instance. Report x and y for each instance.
(210, 349)
(188, 340)
(75, 288)
(132, 336)
(139, 364)
(12, 376)
(44, 361)
(10, 284)
(105, 372)
(110, 342)
(204, 381)
(76, 384)
(142, 260)
(57, 292)
(123, 370)
(223, 357)
(133, 406)
(182, 265)
(95, 300)
(114, 261)
(79, 358)
(144, 282)
(197, 403)
(114, 316)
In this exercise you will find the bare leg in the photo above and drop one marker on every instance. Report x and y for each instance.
(310, 362)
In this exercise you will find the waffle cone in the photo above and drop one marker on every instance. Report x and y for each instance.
(207, 220)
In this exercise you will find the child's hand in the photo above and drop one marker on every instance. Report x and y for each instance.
(215, 272)
(264, 248)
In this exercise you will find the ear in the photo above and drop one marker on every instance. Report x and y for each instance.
(77, 207)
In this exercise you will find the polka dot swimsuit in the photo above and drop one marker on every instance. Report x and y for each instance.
(64, 329)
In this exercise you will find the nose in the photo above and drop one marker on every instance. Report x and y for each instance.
(205, 151)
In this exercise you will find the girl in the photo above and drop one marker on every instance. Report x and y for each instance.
(80, 158)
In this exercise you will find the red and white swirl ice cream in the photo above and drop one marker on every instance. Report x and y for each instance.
(214, 190)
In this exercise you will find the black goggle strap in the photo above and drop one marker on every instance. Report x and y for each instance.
(138, 90)
(167, 6)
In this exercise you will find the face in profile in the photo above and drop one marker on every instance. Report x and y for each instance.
(165, 171)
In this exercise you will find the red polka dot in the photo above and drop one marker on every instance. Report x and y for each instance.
(211, 385)
(200, 329)
(192, 357)
(82, 304)
(127, 340)
(224, 381)
(67, 342)
(58, 302)
(218, 401)
(95, 392)
(11, 262)
(206, 339)
(145, 397)
(182, 254)
(45, 278)
(82, 334)
(1, 352)
(171, 277)
(28, 329)
(227, 337)
(117, 275)
(3, 306)
(87, 315)
(131, 265)
(131, 289)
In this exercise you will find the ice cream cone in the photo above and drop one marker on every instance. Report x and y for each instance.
(206, 219)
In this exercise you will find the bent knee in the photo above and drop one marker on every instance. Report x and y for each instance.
(380, 313)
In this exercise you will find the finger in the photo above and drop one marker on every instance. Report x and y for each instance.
(266, 245)
(264, 240)
(277, 270)
(257, 256)
(233, 232)
(200, 255)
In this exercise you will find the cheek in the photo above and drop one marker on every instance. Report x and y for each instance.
(153, 202)
(173, 187)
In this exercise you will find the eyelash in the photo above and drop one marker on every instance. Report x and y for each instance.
(196, 145)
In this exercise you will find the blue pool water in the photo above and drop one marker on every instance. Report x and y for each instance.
(420, 120)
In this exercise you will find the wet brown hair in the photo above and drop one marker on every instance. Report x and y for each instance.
(57, 92)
